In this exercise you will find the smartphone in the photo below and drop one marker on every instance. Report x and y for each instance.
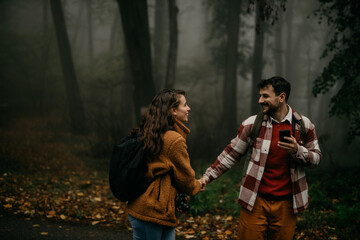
(282, 134)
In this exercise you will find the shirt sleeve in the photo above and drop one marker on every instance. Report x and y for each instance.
(232, 152)
(309, 154)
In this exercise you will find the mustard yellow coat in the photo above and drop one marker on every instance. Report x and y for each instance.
(157, 204)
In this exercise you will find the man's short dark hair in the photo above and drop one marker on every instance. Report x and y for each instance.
(279, 84)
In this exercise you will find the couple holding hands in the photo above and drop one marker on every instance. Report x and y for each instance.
(273, 190)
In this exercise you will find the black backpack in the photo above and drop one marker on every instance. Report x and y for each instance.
(128, 167)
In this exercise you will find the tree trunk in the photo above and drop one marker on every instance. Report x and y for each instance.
(134, 18)
(126, 108)
(77, 26)
(128, 105)
(172, 54)
(258, 54)
(115, 36)
(278, 51)
(76, 109)
(90, 35)
(159, 43)
(289, 62)
(44, 56)
(309, 96)
(228, 120)
(299, 85)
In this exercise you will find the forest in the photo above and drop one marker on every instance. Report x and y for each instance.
(77, 75)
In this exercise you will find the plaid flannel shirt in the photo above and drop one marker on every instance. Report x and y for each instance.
(308, 155)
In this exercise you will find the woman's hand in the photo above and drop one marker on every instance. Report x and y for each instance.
(203, 184)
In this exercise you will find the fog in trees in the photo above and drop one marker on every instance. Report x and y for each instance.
(120, 61)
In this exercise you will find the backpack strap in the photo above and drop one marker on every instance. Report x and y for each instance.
(302, 131)
(256, 130)
(302, 127)
(253, 135)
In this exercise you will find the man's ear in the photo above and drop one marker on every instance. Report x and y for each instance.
(282, 97)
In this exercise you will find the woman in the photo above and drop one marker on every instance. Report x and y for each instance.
(152, 215)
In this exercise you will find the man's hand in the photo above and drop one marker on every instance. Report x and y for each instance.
(291, 147)
(203, 184)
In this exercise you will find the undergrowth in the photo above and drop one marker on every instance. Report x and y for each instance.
(220, 195)
(334, 206)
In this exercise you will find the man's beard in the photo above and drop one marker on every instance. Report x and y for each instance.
(271, 109)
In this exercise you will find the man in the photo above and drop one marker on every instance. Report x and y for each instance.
(274, 187)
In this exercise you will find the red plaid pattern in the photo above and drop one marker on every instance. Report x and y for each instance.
(308, 155)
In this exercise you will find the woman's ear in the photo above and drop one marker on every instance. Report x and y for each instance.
(173, 111)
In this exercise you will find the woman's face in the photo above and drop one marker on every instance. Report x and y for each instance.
(181, 112)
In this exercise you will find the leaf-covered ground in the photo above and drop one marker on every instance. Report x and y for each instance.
(50, 174)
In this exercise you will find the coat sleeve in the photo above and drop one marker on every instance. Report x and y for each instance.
(309, 154)
(184, 175)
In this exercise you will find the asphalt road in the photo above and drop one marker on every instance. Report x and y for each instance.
(20, 227)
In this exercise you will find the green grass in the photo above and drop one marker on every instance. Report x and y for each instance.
(335, 195)
(220, 195)
(334, 205)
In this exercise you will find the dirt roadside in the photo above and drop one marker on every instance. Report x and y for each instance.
(23, 228)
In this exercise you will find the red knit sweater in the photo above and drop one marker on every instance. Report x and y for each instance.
(276, 179)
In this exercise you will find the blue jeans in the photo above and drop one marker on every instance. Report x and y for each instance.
(150, 231)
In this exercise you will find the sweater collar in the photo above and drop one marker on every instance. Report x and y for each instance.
(181, 128)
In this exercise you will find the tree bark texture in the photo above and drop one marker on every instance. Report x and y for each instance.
(134, 18)
(90, 33)
(77, 27)
(228, 118)
(44, 56)
(278, 51)
(289, 46)
(160, 42)
(258, 55)
(172, 54)
(116, 34)
(76, 109)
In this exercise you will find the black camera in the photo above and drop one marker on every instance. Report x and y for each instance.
(181, 202)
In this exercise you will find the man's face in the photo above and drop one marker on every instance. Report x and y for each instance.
(269, 101)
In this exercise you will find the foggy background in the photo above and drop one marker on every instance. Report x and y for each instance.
(32, 78)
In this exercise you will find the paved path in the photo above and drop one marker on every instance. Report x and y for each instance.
(21, 228)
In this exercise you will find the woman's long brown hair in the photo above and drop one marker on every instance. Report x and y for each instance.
(158, 119)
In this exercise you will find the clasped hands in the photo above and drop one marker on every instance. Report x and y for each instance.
(203, 183)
